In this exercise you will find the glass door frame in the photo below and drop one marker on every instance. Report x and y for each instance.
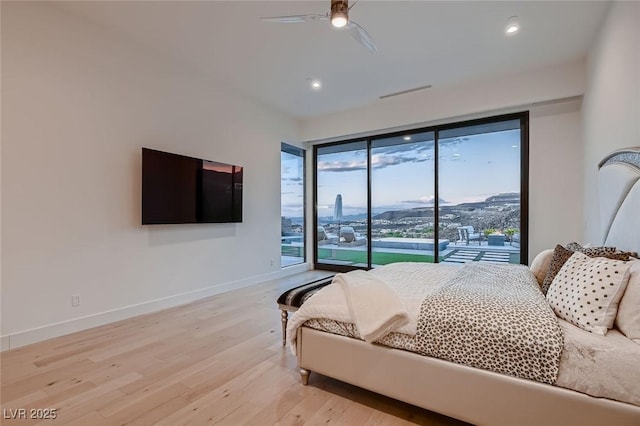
(302, 154)
(328, 266)
(523, 117)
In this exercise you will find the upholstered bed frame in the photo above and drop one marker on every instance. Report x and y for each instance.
(619, 189)
(478, 396)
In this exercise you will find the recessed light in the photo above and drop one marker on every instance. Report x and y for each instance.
(316, 84)
(456, 155)
(514, 146)
(513, 26)
(407, 138)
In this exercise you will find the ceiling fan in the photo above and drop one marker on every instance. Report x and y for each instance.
(339, 18)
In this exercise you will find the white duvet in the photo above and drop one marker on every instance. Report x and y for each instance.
(410, 281)
(602, 366)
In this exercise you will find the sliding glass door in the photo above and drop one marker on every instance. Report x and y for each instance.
(402, 198)
(480, 185)
(453, 193)
(341, 206)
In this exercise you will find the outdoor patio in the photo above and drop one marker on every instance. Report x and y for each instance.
(388, 250)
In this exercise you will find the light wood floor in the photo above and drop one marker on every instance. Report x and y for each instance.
(216, 361)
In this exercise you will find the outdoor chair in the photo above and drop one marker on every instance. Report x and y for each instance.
(322, 234)
(350, 238)
(467, 234)
(324, 237)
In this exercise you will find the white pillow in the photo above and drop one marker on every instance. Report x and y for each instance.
(628, 318)
(586, 291)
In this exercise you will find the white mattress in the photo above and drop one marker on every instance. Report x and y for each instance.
(601, 366)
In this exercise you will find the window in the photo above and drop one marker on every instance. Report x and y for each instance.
(480, 191)
(341, 194)
(292, 206)
(453, 193)
(402, 198)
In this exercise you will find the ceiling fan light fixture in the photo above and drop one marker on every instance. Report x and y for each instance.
(339, 17)
(339, 13)
(339, 20)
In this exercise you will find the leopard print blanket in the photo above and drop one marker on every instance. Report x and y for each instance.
(492, 317)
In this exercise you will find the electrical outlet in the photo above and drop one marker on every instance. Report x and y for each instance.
(75, 300)
(272, 262)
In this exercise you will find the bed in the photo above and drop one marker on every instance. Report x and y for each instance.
(581, 392)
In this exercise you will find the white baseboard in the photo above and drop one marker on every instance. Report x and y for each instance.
(34, 335)
(4, 343)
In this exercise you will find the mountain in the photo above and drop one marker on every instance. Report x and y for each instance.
(401, 214)
(511, 197)
(494, 200)
(431, 201)
(347, 218)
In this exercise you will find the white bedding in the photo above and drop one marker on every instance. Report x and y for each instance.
(602, 366)
(411, 282)
(374, 307)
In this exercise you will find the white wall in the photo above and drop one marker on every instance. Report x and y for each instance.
(611, 102)
(555, 175)
(552, 95)
(78, 103)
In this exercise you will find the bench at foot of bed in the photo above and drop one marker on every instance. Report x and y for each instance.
(292, 299)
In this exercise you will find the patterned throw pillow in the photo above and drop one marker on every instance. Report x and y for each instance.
(560, 256)
(608, 252)
(586, 291)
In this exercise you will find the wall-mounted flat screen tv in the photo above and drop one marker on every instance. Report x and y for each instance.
(179, 189)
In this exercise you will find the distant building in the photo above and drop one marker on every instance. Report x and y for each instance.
(337, 209)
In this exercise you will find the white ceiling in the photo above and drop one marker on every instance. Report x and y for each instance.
(419, 42)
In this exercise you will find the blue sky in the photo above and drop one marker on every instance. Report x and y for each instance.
(291, 186)
(472, 168)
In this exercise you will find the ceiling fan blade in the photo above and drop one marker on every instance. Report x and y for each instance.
(361, 36)
(295, 19)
